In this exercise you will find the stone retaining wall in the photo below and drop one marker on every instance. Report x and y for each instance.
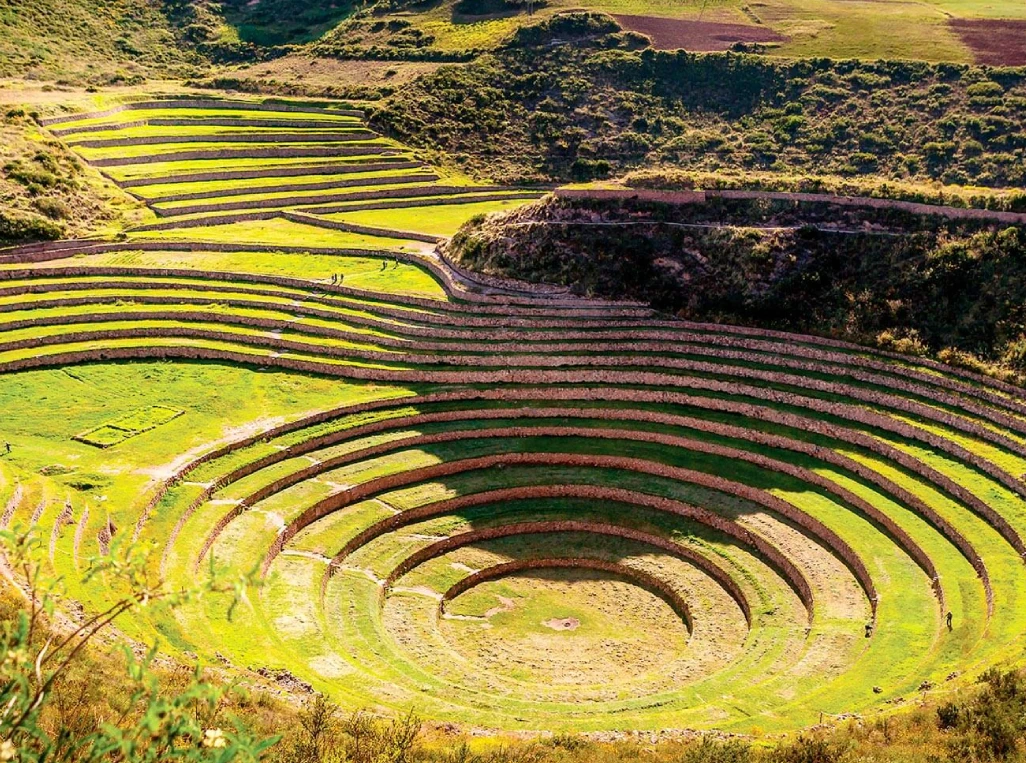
(676, 602)
(297, 187)
(700, 197)
(469, 198)
(794, 421)
(610, 377)
(385, 193)
(824, 454)
(777, 559)
(254, 152)
(340, 168)
(99, 128)
(367, 230)
(350, 136)
(201, 103)
(876, 399)
(686, 553)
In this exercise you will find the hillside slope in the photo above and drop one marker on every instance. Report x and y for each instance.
(88, 41)
(955, 288)
(576, 98)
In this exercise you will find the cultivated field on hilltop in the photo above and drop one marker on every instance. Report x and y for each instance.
(952, 30)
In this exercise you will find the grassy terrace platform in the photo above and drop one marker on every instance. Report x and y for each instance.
(517, 511)
(499, 504)
(225, 160)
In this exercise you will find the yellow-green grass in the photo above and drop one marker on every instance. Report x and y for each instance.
(359, 272)
(441, 220)
(160, 170)
(201, 130)
(282, 302)
(893, 647)
(240, 540)
(294, 198)
(399, 653)
(279, 232)
(183, 112)
(146, 151)
(159, 190)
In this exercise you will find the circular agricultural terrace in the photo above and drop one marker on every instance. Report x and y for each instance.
(539, 512)
(580, 515)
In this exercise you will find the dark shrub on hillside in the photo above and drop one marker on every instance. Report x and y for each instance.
(17, 228)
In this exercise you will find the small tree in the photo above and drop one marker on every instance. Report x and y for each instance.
(37, 653)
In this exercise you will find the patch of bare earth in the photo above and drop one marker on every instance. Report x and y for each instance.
(329, 72)
(672, 34)
(997, 42)
(563, 623)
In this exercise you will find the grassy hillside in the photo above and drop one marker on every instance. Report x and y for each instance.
(606, 103)
(46, 192)
(88, 41)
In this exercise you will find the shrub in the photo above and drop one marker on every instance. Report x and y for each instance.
(55, 209)
(16, 227)
(40, 658)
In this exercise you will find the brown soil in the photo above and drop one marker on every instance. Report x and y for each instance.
(328, 72)
(671, 34)
(562, 624)
(998, 42)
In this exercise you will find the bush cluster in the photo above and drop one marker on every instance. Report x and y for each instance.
(576, 98)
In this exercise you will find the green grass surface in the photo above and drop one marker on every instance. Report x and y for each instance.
(563, 650)
(142, 420)
(359, 272)
(442, 220)
(277, 233)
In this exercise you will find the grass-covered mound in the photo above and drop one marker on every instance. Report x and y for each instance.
(47, 191)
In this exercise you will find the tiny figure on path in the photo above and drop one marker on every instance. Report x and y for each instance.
(7, 447)
(384, 264)
(869, 630)
(949, 618)
(340, 277)
(334, 278)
